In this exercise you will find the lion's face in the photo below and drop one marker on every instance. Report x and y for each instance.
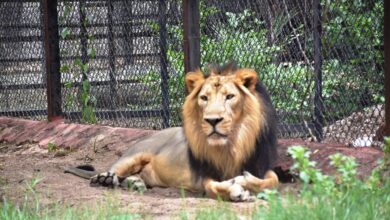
(220, 106)
(222, 117)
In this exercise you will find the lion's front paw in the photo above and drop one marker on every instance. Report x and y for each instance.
(134, 183)
(109, 179)
(239, 194)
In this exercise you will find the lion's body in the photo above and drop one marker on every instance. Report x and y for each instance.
(228, 128)
(166, 153)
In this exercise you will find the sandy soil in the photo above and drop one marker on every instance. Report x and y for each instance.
(21, 165)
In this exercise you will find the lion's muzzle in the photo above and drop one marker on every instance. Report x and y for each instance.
(213, 121)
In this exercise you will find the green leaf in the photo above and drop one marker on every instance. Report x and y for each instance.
(84, 68)
(65, 32)
(304, 177)
(64, 68)
(68, 85)
(86, 85)
(78, 62)
(91, 52)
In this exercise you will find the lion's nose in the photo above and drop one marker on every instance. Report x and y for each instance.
(213, 121)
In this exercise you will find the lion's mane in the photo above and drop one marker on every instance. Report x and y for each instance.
(252, 149)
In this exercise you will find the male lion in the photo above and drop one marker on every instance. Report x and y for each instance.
(225, 147)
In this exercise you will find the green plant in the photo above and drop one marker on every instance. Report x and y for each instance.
(36, 211)
(86, 100)
(381, 174)
(346, 177)
(359, 23)
(346, 167)
(351, 70)
(31, 185)
(307, 171)
(51, 147)
(343, 196)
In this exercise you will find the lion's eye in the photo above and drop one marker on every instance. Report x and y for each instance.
(203, 97)
(230, 96)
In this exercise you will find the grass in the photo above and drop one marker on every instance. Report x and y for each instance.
(356, 203)
(343, 196)
(31, 209)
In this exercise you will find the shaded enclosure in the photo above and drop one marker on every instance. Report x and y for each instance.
(122, 63)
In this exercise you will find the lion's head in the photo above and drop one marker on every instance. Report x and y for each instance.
(223, 116)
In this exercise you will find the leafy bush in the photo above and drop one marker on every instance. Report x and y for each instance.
(352, 56)
(343, 196)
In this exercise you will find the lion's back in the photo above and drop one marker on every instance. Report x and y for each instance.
(167, 141)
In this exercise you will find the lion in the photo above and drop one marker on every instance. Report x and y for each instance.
(225, 148)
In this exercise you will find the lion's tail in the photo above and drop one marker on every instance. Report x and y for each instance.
(84, 171)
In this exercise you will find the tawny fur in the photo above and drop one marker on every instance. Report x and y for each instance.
(196, 157)
(228, 159)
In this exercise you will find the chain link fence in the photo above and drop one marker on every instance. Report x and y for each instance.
(122, 62)
(114, 63)
(22, 84)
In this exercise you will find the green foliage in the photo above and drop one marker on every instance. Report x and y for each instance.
(51, 147)
(176, 87)
(386, 150)
(345, 179)
(381, 174)
(307, 171)
(88, 101)
(359, 23)
(358, 203)
(320, 183)
(29, 211)
(32, 184)
(215, 213)
(241, 40)
(353, 70)
(85, 99)
(344, 196)
(346, 167)
(291, 89)
(350, 81)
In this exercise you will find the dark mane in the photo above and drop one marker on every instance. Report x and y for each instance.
(226, 69)
(265, 154)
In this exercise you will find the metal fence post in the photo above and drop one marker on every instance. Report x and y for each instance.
(318, 104)
(52, 60)
(387, 66)
(162, 20)
(191, 25)
(128, 34)
(83, 39)
(111, 55)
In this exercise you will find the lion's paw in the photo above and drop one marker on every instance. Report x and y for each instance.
(239, 194)
(109, 179)
(134, 183)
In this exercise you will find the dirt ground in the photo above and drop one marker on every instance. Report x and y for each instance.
(20, 165)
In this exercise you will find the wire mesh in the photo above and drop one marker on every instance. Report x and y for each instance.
(122, 62)
(22, 79)
(119, 49)
(277, 39)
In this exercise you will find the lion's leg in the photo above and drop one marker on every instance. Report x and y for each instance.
(256, 185)
(227, 190)
(123, 173)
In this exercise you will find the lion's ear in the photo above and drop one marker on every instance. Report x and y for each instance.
(247, 78)
(194, 79)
